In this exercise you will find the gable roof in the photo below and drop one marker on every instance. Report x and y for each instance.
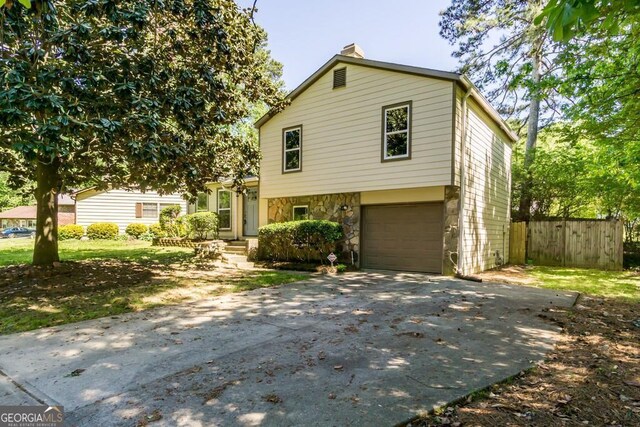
(20, 212)
(462, 80)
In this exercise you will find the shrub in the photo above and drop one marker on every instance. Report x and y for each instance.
(103, 230)
(136, 230)
(170, 222)
(70, 231)
(200, 224)
(302, 240)
(156, 231)
(148, 236)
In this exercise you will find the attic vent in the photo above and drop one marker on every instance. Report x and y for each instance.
(340, 77)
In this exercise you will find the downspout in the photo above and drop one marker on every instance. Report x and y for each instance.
(463, 181)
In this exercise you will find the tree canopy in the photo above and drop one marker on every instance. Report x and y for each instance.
(128, 94)
(510, 60)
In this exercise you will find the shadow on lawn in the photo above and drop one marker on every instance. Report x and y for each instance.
(32, 297)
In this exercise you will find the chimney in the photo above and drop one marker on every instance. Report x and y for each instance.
(353, 50)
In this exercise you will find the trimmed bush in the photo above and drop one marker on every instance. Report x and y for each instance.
(103, 230)
(201, 224)
(148, 236)
(170, 222)
(136, 230)
(70, 231)
(305, 240)
(156, 231)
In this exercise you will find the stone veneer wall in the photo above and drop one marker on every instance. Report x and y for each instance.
(451, 231)
(327, 207)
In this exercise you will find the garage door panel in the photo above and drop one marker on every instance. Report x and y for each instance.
(403, 237)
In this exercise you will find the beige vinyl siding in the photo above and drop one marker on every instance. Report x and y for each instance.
(237, 213)
(119, 206)
(458, 138)
(487, 194)
(341, 139)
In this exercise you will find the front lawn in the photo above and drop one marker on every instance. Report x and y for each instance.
(104, 278)
(610, 284)
(20, 251)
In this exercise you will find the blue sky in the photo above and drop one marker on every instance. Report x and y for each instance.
(304, 34)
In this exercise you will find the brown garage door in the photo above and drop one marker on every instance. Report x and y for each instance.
(403, 237)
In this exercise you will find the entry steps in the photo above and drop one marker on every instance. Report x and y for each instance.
(235, 254)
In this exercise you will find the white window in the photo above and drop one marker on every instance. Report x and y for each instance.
(300, 212)
(292, 149)
(396, 132)
(224, 209)
(150, 210)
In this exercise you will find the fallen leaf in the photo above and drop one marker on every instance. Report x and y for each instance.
(338, 367)
(76, 373)
(272, 398)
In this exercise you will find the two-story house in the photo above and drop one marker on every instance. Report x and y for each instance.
(413, 162)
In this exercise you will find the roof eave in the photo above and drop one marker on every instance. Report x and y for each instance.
(487, 107)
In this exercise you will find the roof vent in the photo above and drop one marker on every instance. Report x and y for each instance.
(340, 77)
(353, 50)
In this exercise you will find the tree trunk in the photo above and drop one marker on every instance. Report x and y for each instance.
(45, 251)
(532, 138)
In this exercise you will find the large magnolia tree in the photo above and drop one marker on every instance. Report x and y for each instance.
(113, 93)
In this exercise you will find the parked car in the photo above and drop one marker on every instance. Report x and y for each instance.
(11, 232)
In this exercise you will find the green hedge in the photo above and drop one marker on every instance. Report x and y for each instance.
(201, 224)
(70, 231)
(136, 230)
(305, 240)
(103, 230)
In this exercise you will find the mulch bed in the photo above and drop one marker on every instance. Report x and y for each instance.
(591, 378)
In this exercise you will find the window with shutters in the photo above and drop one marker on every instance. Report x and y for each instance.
(340, 77)
(150, 210)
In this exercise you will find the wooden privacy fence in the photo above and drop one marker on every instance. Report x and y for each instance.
(569, 243)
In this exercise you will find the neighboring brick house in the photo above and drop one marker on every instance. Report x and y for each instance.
(413, 162)
(25, 216)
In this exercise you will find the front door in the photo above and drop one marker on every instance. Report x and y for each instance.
(250, 203)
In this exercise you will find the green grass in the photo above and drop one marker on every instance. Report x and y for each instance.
(20, 251)
(28, 310)
(94, 282)
(611, 284)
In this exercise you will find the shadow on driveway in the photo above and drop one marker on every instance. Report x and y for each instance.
(366, 348)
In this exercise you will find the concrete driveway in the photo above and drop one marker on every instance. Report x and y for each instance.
(370, 348)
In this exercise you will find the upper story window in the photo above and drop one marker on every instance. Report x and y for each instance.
(224, 209)
(396, 131)
(292, 149)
